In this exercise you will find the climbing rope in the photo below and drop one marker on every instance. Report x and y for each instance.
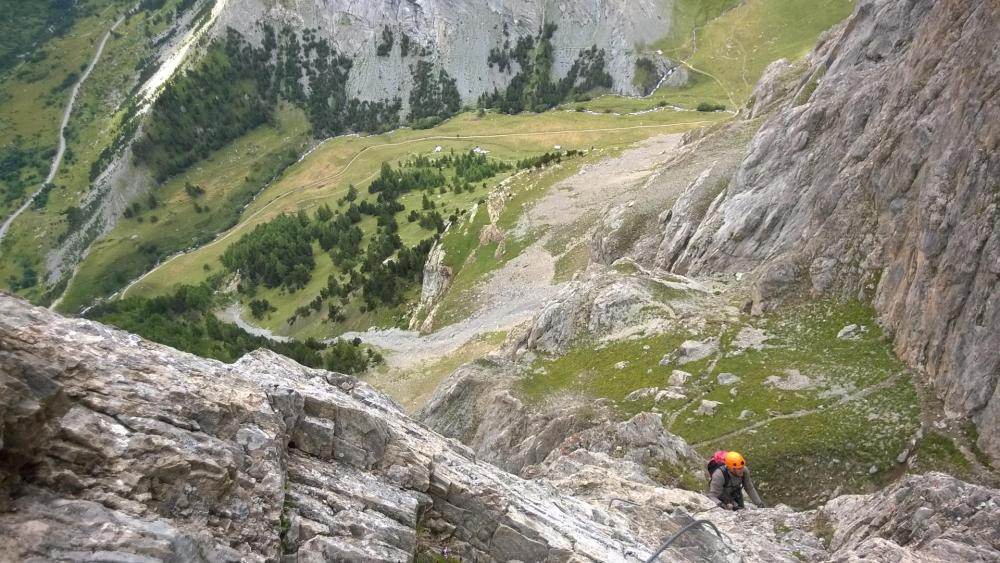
(667, 543)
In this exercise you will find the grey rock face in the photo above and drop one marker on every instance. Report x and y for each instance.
(124, 450)
(459, 35)
(604, 303)
(596, 305)
(931, 517)
(882, 184)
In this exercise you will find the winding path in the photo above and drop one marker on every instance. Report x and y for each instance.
(57, 159)
(850, 398)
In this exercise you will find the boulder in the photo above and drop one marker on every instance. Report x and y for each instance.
(851, 332)
(727, 378)
(793, 380)
(643, 393)
(678, 377)
(707, 408)
(692, 351)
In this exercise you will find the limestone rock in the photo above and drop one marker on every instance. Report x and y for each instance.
(750, 338)
(643, 393)
(457, 36)
(932, 517)
(437, 278)
(609, 242)
(477, 405)
(727, 379)
(793, 380)
(132, 451)
(679, 377)
(851, 332)
(707, 407)
(874, 178)
(597, 304)
(693, 350)
(115, 448)
(773, 88)
(671, 394)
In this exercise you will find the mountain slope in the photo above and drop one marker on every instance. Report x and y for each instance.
(878, 179)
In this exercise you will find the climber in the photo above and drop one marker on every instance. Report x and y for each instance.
(728, 481)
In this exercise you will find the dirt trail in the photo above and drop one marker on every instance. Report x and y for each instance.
(851, 398)
(57, 159)
(233, 314)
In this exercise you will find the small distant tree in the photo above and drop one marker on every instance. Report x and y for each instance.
(260, 307)
(385, 46)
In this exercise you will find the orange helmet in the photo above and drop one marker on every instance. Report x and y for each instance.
(734, 461)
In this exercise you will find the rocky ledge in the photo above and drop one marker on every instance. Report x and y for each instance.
(120, 449)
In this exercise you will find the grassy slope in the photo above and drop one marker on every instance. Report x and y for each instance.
(756, 21)
(471, 262)
(838, 441)
(732, 50)
(323, 177)
(93, 125)
(116, 259)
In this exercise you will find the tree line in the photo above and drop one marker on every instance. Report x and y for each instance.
(185, 320)
(236, 87)
(532, 88)
(375, 271)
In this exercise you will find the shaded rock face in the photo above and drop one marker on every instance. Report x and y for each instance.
(458, 36)
(878, 179)
(115, 446)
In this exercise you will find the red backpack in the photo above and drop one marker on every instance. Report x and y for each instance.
(718, 460)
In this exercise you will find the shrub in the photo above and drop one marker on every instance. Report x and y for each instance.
(709, 107)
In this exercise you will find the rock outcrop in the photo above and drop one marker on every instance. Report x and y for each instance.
(116, 448)
(877, 178)
(609, 303)
(941, 517)
(437, 278)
